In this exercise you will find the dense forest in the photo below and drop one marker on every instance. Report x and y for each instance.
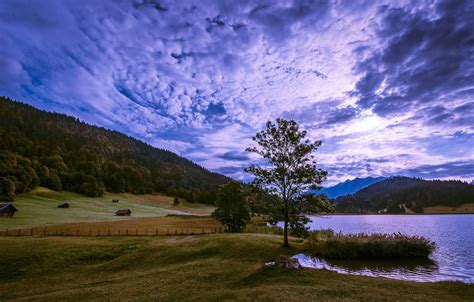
(62, 153)
(414, 193)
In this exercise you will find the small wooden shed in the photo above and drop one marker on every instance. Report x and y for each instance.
(123, 212)
(63, 205)
(7, 209)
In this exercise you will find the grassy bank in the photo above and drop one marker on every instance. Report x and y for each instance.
(200, 268)
(327, 244)
(39, 207)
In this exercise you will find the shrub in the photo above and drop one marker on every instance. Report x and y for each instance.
(329, 245)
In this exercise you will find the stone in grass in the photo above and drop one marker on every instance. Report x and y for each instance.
(284, 263)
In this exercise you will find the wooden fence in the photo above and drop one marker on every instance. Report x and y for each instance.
(94, 232)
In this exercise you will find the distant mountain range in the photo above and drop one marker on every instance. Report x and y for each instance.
(349, 186)
(396, 194)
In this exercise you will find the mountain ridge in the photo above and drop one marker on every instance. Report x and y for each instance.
(349, 186)
(413, 193)
(60, 152)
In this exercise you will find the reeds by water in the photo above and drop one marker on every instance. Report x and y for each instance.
(330, 245)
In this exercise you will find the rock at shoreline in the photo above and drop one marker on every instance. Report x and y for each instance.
(284, 263)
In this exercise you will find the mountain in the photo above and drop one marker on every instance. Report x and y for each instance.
(349, 186)
(62, 153)
(395, 194)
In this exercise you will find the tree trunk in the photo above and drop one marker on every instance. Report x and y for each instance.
(285, 232)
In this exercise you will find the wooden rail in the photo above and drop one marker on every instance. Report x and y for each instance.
(97, 232)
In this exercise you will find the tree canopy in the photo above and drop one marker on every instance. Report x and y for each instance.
(232, 208)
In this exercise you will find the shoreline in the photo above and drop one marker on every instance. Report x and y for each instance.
(375, 214)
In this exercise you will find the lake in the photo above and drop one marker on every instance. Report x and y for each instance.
(453, 258)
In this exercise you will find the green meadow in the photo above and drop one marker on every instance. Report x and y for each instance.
(40, 207)
(217, 267)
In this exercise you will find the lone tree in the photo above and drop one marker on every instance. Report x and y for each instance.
(232, 208)
(176, 201)
(288, 173)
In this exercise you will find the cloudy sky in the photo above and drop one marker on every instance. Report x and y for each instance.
(388, 87)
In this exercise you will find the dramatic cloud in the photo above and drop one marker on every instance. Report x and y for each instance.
(388, 87)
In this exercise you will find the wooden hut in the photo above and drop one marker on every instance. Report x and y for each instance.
(7, 210)
(115, 200)
(123, 212)
(63, 205)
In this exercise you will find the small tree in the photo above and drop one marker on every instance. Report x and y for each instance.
(289, 172)
(232, 208)
(176, 200)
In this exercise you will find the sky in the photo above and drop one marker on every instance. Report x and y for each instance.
(388, 87)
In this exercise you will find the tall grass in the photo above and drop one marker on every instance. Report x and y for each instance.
(330, 245)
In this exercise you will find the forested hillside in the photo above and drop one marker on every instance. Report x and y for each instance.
(62, 153)
(414, 193)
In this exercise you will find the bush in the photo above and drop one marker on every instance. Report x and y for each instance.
(176, 201)
(329, 245)
(7, 189)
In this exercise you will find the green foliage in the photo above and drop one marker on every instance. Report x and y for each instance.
(232, 208)
(62, 153)
(7, 189)
(329, 245)
(289, 171)
(413, 193)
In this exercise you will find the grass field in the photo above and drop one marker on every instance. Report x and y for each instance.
(39, 207)
(214, 267)
(467, 208)
(149, 226)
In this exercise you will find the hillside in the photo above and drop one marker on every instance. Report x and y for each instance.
(62, 153)
(349, 186)
(39, 207)
(395, 194)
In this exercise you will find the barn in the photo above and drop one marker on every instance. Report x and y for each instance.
(7, 210)
(63, 205)
(123, 212)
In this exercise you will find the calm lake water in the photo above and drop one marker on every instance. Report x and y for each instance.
(453, 258)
